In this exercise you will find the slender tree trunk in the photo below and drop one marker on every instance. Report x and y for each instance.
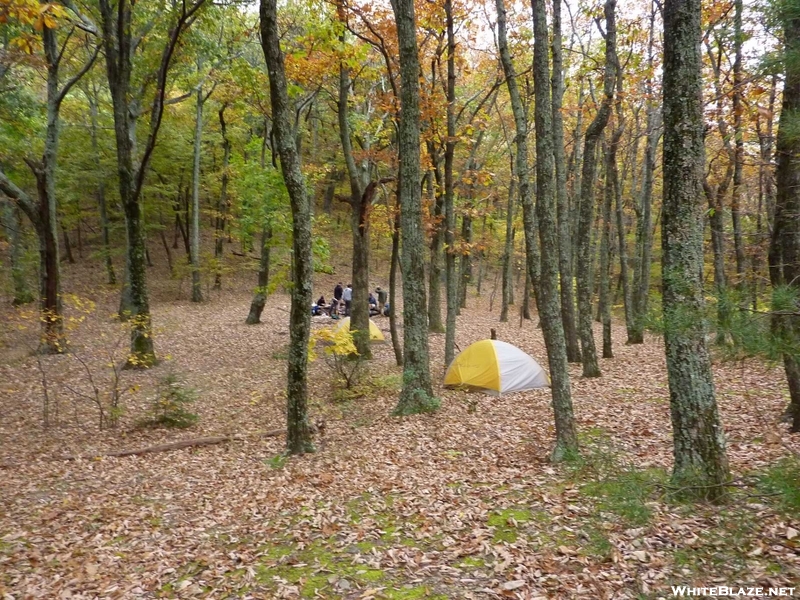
(620, 220)
(451, 276)
(508, 249)
(394, 264)
(67, 246)
(197, 290)
(223, 203)
(784, 253)
(298, 438)
(699, 441)
(521, 142)
(360, 201)
(574, 168)
(101, 192)
(546, 206)
(591, 140)
(435, 323)
(564, 240)
(738, 156)
(644, 225)
(465, 261)
(417, 394)
(13, 227)
(605, 244)
(262, 289)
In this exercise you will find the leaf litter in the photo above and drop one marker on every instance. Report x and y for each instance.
(458, 504)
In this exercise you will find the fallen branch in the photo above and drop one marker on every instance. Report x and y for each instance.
(179, 445)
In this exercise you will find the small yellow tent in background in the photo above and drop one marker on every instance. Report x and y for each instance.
(497, 368)
(375, 334)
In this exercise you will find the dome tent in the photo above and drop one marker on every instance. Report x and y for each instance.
(375, 334)
(495, 367)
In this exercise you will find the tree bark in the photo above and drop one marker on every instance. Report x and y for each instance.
(13, 227)
(784, 252)
(586, 220)
(298, 437)
(360, 202)
(644, 221)
(119, 45)
(101, 190)
(562, 199)
(451, 276)
(521, 143)
(223, 204)
(394, 264)
(508, 249)
(698, 438)
(417, 394)
(546, 206)
(262, 289)
(197, 290)
(738, 154)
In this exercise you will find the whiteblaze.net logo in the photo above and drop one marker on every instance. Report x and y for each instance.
(733, 591)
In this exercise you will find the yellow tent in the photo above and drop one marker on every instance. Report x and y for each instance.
(375, 334)
(495, 367)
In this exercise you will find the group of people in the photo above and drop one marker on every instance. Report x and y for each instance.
(343, 301)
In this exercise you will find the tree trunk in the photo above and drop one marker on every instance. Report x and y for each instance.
(738, 155)
(546, 206)
(360, 202)
(605, 243)
(435, 324)
(223, 204)
(465, 261)
(262, 289)
(644, 222)
(298, 438)
(451, 277)
(591, 140)
(784, 252)
(417, 394)
(508, 249)
(394, 264)
(13, 227)
(698, 438)
(67, 245)
(197, 290)
(521, 142)
(564, 240)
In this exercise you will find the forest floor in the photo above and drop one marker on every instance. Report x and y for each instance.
(462, 503)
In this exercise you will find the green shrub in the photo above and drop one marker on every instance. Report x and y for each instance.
(171, 406)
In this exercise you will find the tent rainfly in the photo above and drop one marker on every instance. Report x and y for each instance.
(496, 368)
(375, 334)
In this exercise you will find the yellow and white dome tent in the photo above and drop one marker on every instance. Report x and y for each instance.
(375, 334)
(497, 368)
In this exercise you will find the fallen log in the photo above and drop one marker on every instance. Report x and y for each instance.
(179, 445)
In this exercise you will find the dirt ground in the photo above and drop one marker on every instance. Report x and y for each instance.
(458, 504)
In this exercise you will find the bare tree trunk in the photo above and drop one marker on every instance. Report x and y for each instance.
(508, 250)
(546, 206)
(593, 133)
(393, 268)
(738, 155)
(298, 437)
(197, 290)
(784, 253)
(223, 203)
(435, 323)
(262, 289)
(417, 394)
(699, 441)
(451, 277)
(521, 143)
(564, 240)
(13, 226)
